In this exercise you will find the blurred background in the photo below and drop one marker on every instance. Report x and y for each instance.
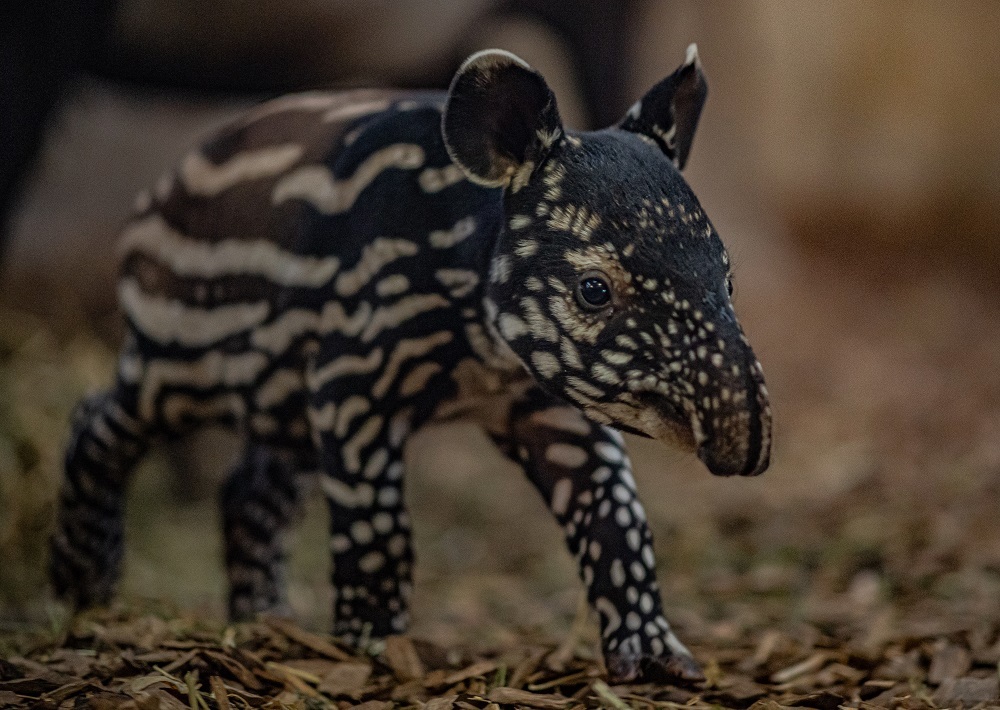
(849, 155)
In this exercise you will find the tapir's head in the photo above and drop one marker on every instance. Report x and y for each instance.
(607, 280)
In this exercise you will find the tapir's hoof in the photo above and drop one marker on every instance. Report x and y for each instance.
(630, 668)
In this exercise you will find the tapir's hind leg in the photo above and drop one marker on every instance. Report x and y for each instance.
(260, 501)
(107, 440)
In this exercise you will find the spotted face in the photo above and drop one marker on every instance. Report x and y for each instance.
(608, 280)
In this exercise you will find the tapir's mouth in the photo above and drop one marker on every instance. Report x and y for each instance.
(743, 451)
(661, 420)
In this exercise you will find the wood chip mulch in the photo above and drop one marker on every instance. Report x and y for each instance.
(147, 663)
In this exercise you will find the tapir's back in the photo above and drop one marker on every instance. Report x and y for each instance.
(280, 227)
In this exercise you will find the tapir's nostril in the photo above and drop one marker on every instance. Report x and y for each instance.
(759, 453)
(741, 444)
(754, 433)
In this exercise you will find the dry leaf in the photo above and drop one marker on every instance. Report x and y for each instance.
(968, 691)
(236, 669)
(412, 691)
(513, 696)
(310, 640)
(809, 665)
(345, 679)
(374, 705)
(739, 694)
(479, 668)
(219, 692)
(767, 705)
(168, 701)
(762, 653)
(526, 667)
(317, 667)
(949, 661)
(445, 702)
(402, 658)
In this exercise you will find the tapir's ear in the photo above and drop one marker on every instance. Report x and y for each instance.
(669, 112)
(500, 120)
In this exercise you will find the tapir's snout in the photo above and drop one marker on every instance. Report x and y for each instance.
(725, 416)
(735, 423)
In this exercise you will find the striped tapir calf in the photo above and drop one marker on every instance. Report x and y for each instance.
(335, 270)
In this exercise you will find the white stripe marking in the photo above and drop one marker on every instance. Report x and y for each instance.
(211, 370)
(176, 407)
(279, 387)
(166, 320)
(407, 350)
(345, 365)
(402, 310)
(374, 258)
(185, 256)
(351, 451)
(360, 496)
(202, 177)
(305, 101)
(277, 336)
(352, 408)
(350, 111)
(459, 282)
(321, 419)
(418, 377)
(317, 186)
(392, 285)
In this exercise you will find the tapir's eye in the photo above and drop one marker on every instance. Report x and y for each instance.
(593, 291)
(729, 285)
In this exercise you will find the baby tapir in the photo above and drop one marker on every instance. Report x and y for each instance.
(336, 270)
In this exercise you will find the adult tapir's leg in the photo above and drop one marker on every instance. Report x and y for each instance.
(583, 473)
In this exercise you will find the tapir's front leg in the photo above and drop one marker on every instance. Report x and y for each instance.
(585, 476)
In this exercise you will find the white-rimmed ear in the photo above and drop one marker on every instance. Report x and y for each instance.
(500, 120)
(669, 112)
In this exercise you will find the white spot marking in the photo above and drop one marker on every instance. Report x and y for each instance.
(566, 455)
(446, 238)
(362, 532)
(436, 179)
(561, 493)
(562, 419)
(609, 452)
(617, 573)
